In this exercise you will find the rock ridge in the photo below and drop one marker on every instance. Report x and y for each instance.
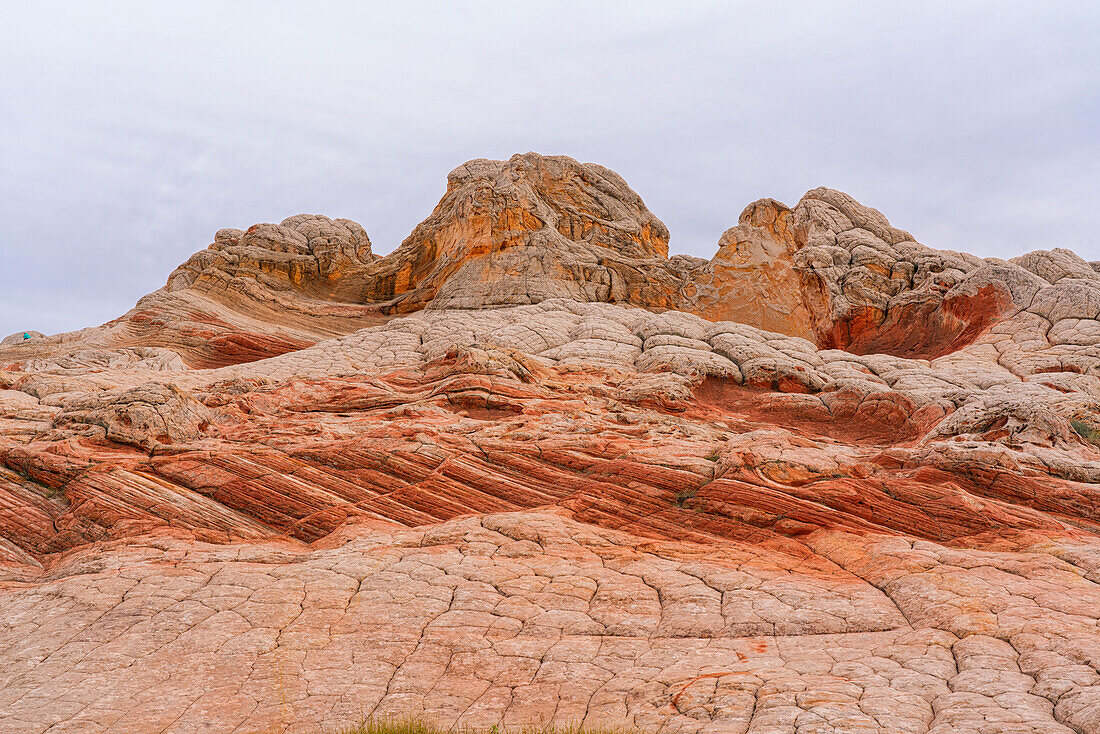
(528, 468)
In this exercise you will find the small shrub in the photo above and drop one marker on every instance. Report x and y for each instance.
(684, 495)
(1085, 431)
(712, 456)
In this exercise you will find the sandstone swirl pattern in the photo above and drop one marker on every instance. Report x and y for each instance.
(530, 468)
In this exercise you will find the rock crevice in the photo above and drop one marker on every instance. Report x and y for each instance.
(529, 468)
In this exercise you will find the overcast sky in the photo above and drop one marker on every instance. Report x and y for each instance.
(131, 132)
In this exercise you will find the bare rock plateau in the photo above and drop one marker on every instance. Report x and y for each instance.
(529, 468)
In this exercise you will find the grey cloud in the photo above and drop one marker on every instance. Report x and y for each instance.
(130, 132)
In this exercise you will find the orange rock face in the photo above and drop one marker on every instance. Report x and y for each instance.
(752, 279)
(528, 468)
(523, 231)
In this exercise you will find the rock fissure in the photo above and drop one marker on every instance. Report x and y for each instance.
(530, 468)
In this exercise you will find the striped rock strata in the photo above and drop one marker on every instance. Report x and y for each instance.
(529, 468)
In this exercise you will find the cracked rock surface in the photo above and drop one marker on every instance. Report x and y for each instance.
(528, 468)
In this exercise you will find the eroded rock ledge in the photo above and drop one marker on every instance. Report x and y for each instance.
(528, 467)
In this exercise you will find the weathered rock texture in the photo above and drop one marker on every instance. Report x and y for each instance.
(528, 468)
(526, 230)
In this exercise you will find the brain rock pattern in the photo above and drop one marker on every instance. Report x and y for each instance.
(529, 468)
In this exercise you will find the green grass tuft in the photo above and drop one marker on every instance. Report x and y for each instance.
(1085, 431)
(411, 725)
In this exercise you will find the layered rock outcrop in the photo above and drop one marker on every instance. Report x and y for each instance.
(529, 468)
(526, 230)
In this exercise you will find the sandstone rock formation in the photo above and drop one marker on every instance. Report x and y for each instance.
(529, 468)
(525, 230)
